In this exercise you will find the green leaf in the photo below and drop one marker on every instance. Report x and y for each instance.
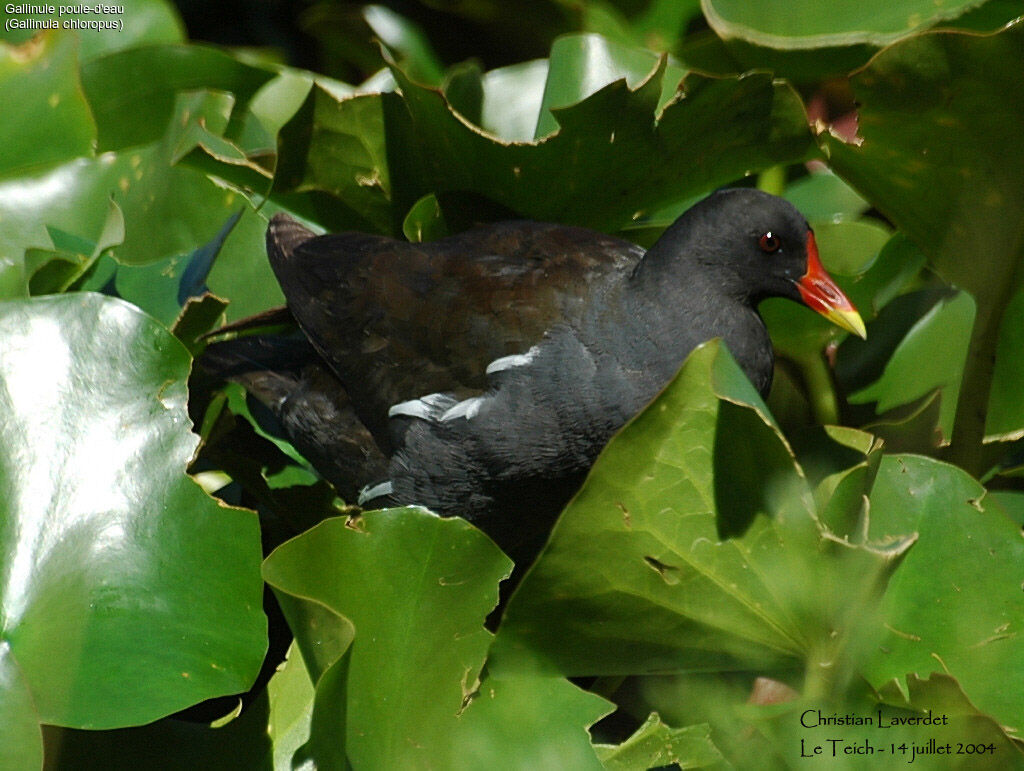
(954, 605)
(407, 40)
(941, 694)
(616, 157)
(337, 147)
(1005, 415)
(636, 577)
(172, 744)
(415, 589)
(242, 271)
(938, 117)
(132, 93)
(400, 577)
(327, 746)
(852, 247)
(823, 197)
(655, 744)
(162, 288)
(198, 316)
(1009, 501)
(52, 121)
(891, 274)
(73, 198)
(527, 722)
(931, 357)
(658, 26)
(613, 159)
(291, 706)
(990, 16)
(512, 100)
(103, 534)
(811, 24)
(21, 740)
(138, 23)
(425, 221)
(58, 271)
(581, 65)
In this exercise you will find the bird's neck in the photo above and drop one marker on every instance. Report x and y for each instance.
(679, 306)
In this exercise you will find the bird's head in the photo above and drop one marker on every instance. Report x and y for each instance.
(756, 245)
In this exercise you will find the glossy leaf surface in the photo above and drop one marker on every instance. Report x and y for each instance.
(810, 24)
(116, 567)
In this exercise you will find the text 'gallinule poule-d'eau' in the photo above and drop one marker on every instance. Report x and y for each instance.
(481, 374)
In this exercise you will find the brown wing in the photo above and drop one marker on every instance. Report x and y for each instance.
(397, 320)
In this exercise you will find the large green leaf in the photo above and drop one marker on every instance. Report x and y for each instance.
(407, 693)
(135, 23)
(768, 726)
(941, 158)
(637, 577)
(511, 100)
(955, 604)
(658, 25)
(126, 592)
(823, 197)
(51, 121)
(337, 147)
(73, 198)
(407, 40)
(291, 693)
(814, 24)
(526, 722)
(612, 161)
(171, 744)
(132, 92)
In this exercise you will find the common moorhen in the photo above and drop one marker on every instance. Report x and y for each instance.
(481, 374)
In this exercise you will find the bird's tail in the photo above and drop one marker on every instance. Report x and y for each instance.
(284, 234)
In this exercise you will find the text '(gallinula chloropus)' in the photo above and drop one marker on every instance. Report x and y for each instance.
(481, 374)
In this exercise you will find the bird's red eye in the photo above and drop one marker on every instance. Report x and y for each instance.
(769, 243)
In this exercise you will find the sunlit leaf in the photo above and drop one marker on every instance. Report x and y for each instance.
(655, 744)
(51, 121)
(810, 24)
(637, 578)
(102, 532)
(414, 589)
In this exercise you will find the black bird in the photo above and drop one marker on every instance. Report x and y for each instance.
(481, 374)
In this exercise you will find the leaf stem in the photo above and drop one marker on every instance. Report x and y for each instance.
(821, 392)
(772, 180)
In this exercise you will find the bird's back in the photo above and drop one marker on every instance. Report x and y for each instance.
(398, 320)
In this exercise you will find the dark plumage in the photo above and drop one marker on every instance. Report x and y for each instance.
(491, 367)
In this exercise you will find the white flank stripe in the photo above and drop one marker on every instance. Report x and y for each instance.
(369, 493)
(465, 409)
(509, 362)
(429, 407)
